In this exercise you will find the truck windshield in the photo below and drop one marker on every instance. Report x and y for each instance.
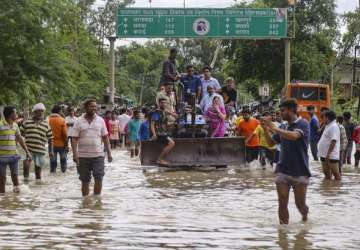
(308, 93)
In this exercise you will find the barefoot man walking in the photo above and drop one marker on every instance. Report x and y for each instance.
(293, 168)
(88, 134)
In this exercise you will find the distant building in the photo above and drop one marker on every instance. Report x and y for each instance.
(343, 76)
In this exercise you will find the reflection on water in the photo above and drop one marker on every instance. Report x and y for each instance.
(194, 209)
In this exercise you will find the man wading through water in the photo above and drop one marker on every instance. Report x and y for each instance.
(37, 132)
(9, 135)
(88, 134)
(293, 167)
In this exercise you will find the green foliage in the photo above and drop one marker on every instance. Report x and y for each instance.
(311, 50)
(352, 37)
(54, 51)
(137, 63)
(47, 54)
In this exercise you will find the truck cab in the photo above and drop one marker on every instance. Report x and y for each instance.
(309, 93)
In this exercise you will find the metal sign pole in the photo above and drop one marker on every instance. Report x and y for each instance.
(287, 61)
(112, 70)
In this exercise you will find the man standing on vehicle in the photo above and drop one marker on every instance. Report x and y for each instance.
(208, 80)
(191, 85)
(170, 101)
(88, 135)
(169, 71)
(293, 168)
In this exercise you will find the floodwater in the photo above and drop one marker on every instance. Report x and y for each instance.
(224, 209)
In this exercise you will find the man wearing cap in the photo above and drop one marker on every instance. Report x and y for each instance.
(167, 94)
(37, 132)
(229, 93)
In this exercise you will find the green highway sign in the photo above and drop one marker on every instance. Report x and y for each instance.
(268, 23)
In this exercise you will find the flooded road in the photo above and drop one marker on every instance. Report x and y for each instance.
(225, 209)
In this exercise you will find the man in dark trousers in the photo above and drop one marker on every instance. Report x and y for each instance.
(169, 71)
(314, 136)
(349, 128)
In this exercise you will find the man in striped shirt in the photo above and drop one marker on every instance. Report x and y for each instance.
(9, 135)
(89, 133)
(37, 133)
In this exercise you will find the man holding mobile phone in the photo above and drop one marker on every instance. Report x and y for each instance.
(292, 170)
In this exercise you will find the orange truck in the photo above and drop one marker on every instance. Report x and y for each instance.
(309, 93)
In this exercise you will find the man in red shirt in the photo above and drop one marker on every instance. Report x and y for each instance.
(246, 127)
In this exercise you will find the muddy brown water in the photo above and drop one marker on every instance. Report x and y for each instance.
(225, 209)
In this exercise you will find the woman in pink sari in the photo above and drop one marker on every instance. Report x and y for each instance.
(216, 115)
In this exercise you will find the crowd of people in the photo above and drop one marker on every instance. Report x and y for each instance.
(275, 136)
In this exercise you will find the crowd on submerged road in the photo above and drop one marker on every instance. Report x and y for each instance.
(276, 137)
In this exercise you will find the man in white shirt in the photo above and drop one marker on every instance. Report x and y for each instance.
(209, 81)
(206, 101)
(70, 121)
(123, 119)
(329, 147)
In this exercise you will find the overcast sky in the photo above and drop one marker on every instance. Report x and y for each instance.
(342, 5)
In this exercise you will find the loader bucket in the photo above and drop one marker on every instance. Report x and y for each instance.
(197, 152)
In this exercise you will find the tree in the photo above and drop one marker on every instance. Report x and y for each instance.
(352, 37)
(102, 22)
(47, 53)
(137, 63)
(311, 50)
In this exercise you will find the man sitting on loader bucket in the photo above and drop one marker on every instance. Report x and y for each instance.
(160, 131)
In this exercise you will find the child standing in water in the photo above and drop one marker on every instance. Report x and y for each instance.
(134, 127)
(114, 130)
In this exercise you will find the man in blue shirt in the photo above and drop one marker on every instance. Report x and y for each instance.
(144, 132)
(293, 168)
(192, 85)
(314, 135)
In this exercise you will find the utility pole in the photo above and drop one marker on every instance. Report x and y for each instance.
(353, 84)
(287, 61)
(332, 85)
(185, 4)
(112, 40)
(141, 90)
